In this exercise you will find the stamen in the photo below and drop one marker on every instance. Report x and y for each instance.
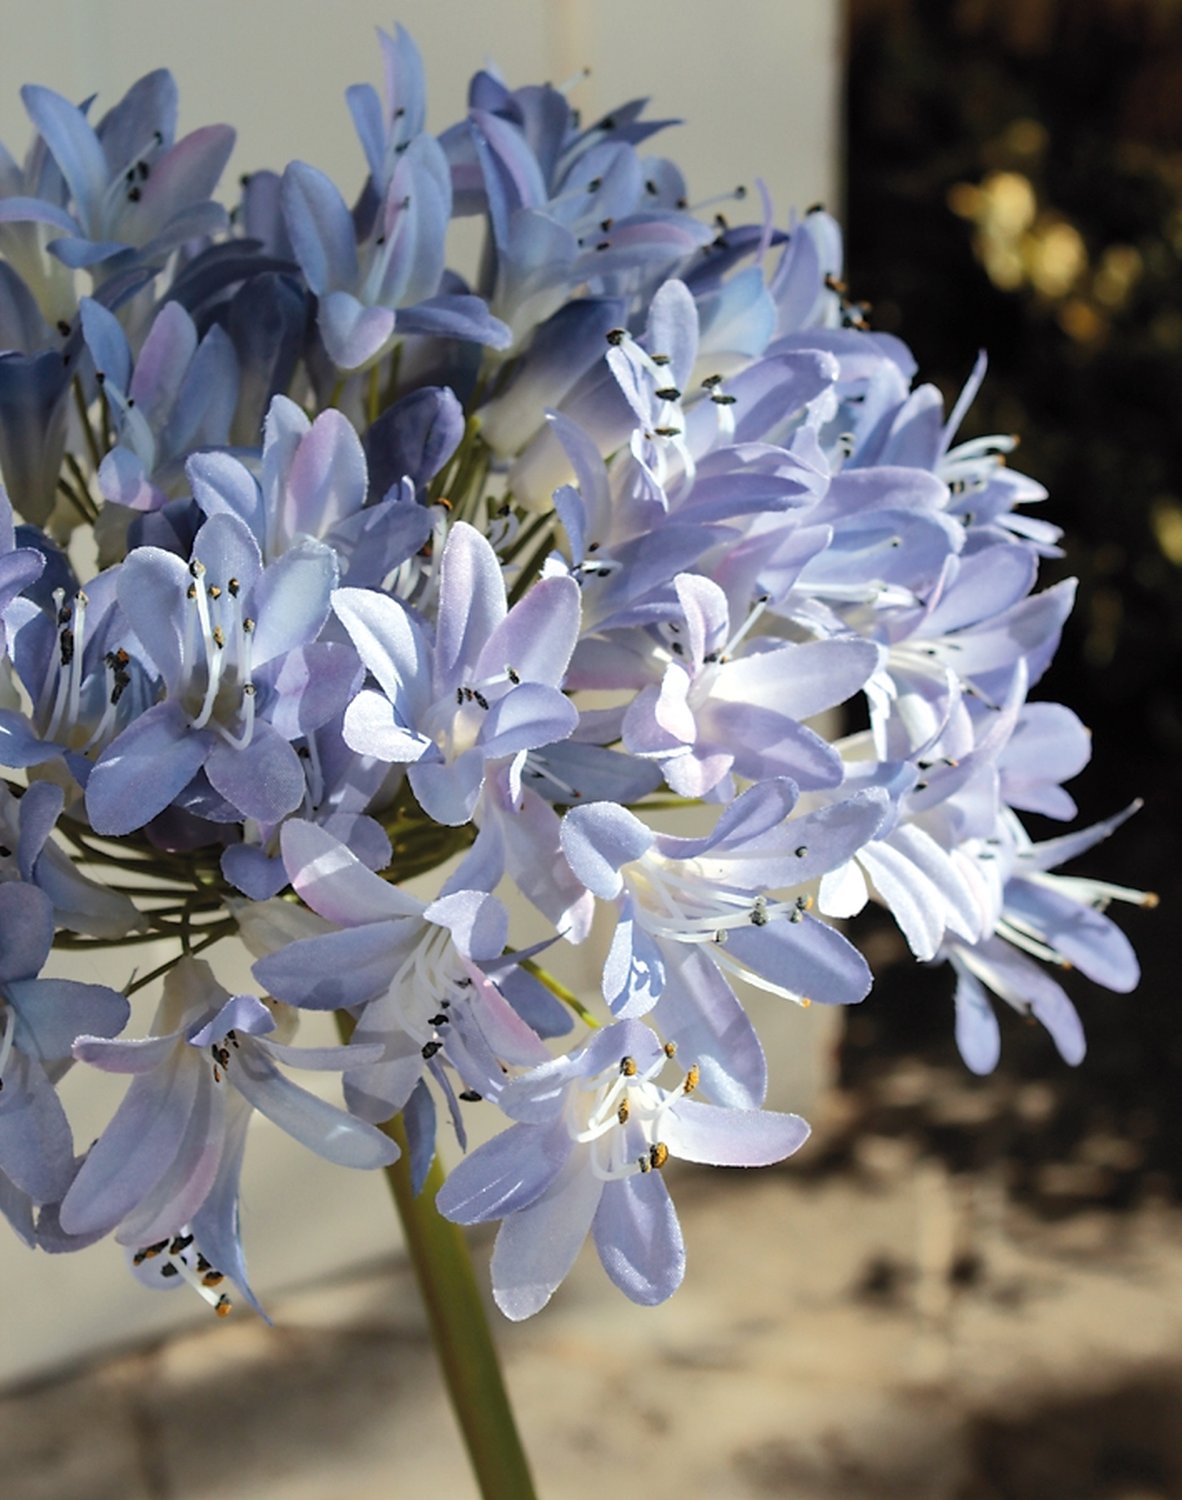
(747, 626)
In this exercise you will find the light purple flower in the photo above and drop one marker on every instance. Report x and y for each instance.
(488, 688)
(593, 1131)
(175, 1141)
(235, 645)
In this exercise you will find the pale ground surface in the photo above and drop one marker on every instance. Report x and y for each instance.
(886, 1333)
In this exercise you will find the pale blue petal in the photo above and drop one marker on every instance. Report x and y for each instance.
(320, 228)
(26, 930)
(639, 1239)
(144, 769)
(505, 1175)
(806, 957)
(322, 1127)
(264, 780)
(537, 1246)
(717, 1137)
(978, 1036)
(136, 1149)
(598, 840)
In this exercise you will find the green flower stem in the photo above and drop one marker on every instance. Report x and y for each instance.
(459, 1325)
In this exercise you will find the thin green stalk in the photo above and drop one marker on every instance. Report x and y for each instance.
(459, 1325)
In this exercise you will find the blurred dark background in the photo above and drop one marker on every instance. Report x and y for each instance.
(1014, 175)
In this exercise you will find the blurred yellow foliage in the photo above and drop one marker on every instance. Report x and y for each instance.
(1022, 243)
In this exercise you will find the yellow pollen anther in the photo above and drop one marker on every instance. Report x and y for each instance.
(670, 1049)
(658, 1155)
(622, 1112)
(805, 1002)
(692, 1079)
(1150, 899)
(628, 1067)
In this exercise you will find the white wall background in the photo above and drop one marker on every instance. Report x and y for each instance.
(756, 82)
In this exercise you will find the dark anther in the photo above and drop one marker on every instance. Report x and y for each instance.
(616, 336)
(595, 184)
(513, 676)
(134, 195)
(605, 225)
(604, 245)
(169, 1270)
(801, 851)
(63, 327)
(660, 359)
(668, 393)
(470, 1096)
(430, 1049)
(481, 700)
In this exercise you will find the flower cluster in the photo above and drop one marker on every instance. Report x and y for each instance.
(398, 569)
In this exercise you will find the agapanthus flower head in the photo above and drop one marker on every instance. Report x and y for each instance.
(339, 570)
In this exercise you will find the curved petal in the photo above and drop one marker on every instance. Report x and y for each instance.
(639, 1239)
(140, 773)
(717, 1137)
(505, 1175)
(263, 780)
(323, 1127)
(537, 1246)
